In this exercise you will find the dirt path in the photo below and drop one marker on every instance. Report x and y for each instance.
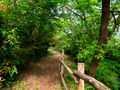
(41, 75)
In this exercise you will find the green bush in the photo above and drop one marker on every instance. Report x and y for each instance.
(27, 30)
(107, 72)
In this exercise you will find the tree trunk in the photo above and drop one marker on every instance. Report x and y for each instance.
(102, 32)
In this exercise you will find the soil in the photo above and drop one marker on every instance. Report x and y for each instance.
(40, 75)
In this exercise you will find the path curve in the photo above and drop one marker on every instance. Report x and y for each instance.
(41, 75)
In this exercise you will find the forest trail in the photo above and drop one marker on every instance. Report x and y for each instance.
(41, 75)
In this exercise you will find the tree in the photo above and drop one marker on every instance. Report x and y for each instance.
(102, 32)
(88, 35)
(28, 29)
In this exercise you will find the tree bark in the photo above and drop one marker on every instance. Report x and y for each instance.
(102, 32)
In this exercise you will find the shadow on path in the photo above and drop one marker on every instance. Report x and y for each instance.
(41, 75)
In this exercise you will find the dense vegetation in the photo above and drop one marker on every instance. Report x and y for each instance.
(25, 30)
(29, 27)
(81, 38)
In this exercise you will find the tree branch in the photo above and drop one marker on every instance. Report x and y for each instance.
(115, 11)
(75, 13)
(114, 26)
(114, 17)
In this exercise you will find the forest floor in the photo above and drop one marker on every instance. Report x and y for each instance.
(40, 75)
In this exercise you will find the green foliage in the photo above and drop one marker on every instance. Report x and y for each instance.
(88, 87)
(79, 24)
(27, 30)
(29, 27)
(9, 73)
(107, 72)
(70, 81)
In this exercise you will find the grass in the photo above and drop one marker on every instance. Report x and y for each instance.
(69, 80)
(21, 85)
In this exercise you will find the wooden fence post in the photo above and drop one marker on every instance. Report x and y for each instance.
(62, 71)
(62, 59)
(81, 67)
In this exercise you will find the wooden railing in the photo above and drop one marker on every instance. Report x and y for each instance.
(78, 76)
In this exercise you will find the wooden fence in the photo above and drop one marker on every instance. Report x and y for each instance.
(78, 76)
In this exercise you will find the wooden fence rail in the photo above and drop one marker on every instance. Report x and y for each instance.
(78, 75)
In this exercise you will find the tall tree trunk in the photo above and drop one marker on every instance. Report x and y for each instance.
(102, 32)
